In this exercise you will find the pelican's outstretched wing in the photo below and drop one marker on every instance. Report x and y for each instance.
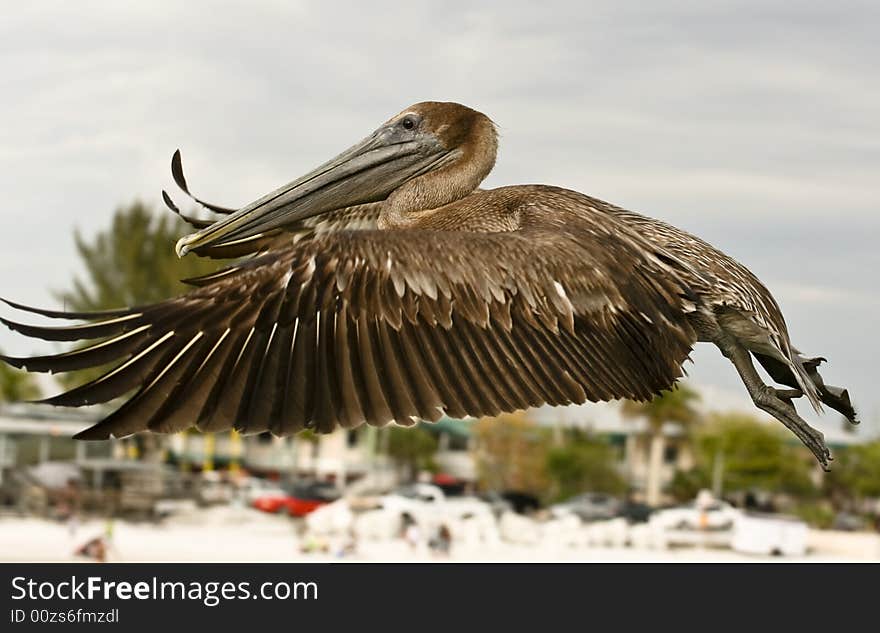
(374, 326)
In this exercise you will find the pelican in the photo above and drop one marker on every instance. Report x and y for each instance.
(387, 286)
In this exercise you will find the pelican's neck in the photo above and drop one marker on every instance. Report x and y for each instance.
(427, 194)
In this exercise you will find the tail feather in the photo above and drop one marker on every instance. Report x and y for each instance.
(806, 381)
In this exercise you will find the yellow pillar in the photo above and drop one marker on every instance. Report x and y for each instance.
(234, 452)
(208, 448)
(183, 454)
(132, 449)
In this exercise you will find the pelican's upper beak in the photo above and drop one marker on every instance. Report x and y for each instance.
(366, 172)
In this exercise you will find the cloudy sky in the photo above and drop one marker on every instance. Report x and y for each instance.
(753, 124)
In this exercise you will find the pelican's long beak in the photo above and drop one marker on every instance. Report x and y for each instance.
(366, 172)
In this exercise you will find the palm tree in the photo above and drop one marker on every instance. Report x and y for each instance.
(131, 262)
(673, 406)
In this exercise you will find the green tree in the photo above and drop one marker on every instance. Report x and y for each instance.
(17, 385)
(412, 449)
(584, 463)
(748, 454)
(855, 475)
(131, 263)
(511, 454)
(674, 406)
(686, 484)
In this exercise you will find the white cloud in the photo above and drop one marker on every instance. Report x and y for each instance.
(814, 294)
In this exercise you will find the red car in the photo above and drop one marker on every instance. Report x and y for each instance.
(299, 499)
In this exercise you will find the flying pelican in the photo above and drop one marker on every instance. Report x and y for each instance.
(385, 285)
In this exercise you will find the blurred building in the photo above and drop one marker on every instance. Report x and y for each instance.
(34, 435)
(343, 456)
(31, 435)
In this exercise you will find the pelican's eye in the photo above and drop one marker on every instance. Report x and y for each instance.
(408, 123)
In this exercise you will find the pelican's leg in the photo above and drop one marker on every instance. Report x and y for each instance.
(776, 403)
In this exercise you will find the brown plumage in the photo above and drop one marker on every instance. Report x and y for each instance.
(384, 286)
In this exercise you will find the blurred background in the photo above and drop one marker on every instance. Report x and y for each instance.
(751, 124)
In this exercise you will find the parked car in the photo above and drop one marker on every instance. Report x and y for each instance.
(428, 506)
(847, 522)
(253, 488)
(589, 506)
(714, 515)
(497, 503)
(213, 489)
(298, 499)
(635, 512)
(427, 493)
(769, 535)
(522, 502)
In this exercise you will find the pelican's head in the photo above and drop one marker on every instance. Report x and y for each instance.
(421, 139)
(458, 128)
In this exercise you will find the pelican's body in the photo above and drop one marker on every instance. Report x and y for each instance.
(386, 286)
